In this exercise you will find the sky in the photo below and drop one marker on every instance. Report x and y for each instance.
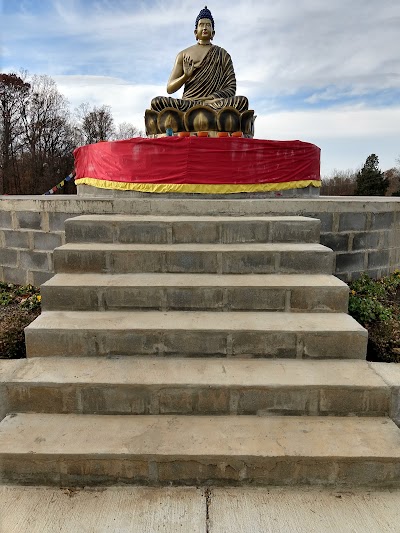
(318, 71)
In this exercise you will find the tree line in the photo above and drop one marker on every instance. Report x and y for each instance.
(38, 133)
(368, 181)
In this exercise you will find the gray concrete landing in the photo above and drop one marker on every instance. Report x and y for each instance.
(192, 510)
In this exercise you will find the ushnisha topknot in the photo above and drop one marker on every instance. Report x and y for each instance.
(204, 14)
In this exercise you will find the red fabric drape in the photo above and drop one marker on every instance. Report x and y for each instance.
(198, 160)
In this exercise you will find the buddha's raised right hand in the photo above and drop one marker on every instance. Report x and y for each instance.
(188, 66)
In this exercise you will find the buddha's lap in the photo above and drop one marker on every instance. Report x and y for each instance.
(161, 102)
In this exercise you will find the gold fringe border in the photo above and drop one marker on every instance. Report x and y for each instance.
(199, 188)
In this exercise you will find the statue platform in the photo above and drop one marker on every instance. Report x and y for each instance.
(199, 166)
(200, 118)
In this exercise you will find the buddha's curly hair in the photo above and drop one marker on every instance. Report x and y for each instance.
(204, 14)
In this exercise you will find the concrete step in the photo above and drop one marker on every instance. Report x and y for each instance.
(128, 385)
(80, 450)
(269, 258)
(196, 333)
(224, 292)
(128, 229)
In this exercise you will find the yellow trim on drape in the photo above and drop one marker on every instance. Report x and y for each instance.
(200, 188)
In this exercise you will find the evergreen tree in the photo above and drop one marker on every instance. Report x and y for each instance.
(370, 179)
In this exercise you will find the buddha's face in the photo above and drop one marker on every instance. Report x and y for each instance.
(204, 30)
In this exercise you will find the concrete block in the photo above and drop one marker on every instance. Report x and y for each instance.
(145, 232)
(395, 405)
(46, 241)
(200, 298)
(366, 240)
(176, 401)
(245, 231)
(31, 260)
(191, 261)
(8, 257)
(375, 402)
(255, 298)
(352, 221)
(57, 220)
(111, 400)
(42, 398)
(257, 262)
(212, 401)
(53, 343)
(66, 260)
(382, 220)
(18, 276)
(378, 259)
(195, 231)
(137, 261)
(194, 343)
(263, 344)
(321, 300)
(77, 298)
(385, 238)
(29, 219)
(5, 219)
(40, 277)
(132, 298)
(372, 273)
(390, 373)
(295, 231)
(350, 261)
(128, 342)
(325, 218)
(86, 231)
(190, 470)
(336, 241)
(16, 239)
(334, 345)
(286, 401)
(307, 262)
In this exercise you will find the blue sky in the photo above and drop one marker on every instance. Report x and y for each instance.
(322, 72)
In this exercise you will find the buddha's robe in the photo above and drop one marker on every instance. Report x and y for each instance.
(215, 77)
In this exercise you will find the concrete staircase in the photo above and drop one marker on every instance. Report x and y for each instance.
(235, 321)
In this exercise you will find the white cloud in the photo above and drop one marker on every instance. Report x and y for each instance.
(128, 101)
(288, 56)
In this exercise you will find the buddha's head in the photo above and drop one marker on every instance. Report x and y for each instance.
(204, 26)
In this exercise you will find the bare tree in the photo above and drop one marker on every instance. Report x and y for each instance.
(393, 176)
(339, 183)
(96, 124)
(48, 136)
(38, 133)
(126, 130)
(14, 92)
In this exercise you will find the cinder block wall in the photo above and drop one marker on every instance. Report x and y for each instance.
(363, 232)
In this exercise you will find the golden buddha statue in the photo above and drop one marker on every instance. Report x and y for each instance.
(208, 102)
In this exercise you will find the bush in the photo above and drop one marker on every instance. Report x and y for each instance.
(19, 306)
(375, 304)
